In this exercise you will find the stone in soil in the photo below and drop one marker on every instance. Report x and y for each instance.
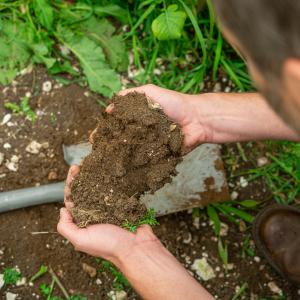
(135, 150)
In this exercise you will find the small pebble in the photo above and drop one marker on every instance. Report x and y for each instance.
(91, 271)
(47, 86)
(256, 259)
(11, 296)
(274, 288)
(224, 229)
(1, 281)
(234, 195)
(262, 161)
(33, 147)
(6, 119)
(1, 158)
(7, 146)
(243, 182)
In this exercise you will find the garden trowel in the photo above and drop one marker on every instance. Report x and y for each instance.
(200, 181)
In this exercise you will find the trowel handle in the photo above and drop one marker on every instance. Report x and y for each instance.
(31, 196)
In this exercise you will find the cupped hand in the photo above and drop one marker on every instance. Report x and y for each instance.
(178, 107)
(103, 240)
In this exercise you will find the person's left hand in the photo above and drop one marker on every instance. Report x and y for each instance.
(103, 240)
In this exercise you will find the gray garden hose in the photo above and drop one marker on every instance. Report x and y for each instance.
(43, 194)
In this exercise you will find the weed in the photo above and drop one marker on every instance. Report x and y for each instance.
(282, 174)
(241, 291)
(23, 107)
(11, 276)
(148, 219)
(223, 253)
(120, 282)
(248, 248)
(43, 269)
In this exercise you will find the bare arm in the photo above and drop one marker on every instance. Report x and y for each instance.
(156, 274)
(239, 117)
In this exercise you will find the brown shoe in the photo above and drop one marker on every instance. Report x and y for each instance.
(276, 234)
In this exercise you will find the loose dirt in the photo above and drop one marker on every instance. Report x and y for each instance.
(135, 150)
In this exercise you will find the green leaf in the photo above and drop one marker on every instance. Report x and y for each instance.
(101, 78)
(44, 13)
(14, 52)
(43, 269)
(112, 10)
(64, 67)
(101, 31)
(169, 25)
(41, 55)
(249, 203)
(11, 276)
(212, 214)
(15, 108)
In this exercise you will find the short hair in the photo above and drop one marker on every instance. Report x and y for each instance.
(269, 30)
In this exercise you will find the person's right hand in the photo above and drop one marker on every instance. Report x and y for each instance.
(178, 107)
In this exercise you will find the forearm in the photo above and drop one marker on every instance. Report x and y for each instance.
(239, 117)
(155, 274)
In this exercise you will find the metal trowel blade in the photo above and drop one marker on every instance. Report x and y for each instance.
(74, 154)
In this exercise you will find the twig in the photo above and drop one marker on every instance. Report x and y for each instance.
(41, 232)
(58, 282)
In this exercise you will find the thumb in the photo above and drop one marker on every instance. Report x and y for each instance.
(67, 228)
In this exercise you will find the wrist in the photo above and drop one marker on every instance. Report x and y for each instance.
(142, 243)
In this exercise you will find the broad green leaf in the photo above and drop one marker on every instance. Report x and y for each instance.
(41, 55)
(101, 31)
(44, 13)
(111, 10)
(14, 52)
(169, 25)
(64, 67)
(101, 78)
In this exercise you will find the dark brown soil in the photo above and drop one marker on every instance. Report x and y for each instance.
(28, 237)
(135, 150)
(65, 116)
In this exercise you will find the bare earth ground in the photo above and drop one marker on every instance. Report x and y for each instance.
(29, 238)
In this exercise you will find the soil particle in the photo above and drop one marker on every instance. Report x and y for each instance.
(136, 149)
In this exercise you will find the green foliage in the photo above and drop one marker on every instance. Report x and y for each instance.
(240, 294)
(212, 214)
(169, 24)
(120, 281)
(32, 31)
(45, 289)
(43, 269)
(22, 107)
(26, 109)
(44, 13)
(223, 253)
(11, 276)
(282, 174)
(77, 297)
(100, 76)
(148, 219)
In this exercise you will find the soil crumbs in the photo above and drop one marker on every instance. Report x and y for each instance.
(29, 237)
(135, 150)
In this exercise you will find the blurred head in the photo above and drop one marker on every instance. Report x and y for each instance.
(267, 33)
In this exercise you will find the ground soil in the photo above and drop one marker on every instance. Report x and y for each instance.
(137, 148)
(28, 237)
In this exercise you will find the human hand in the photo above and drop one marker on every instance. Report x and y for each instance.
(103, 240)
(179, 107)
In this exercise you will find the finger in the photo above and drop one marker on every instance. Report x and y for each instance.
(140, 89)
(92, 136)
(73, 171)
(67, 228)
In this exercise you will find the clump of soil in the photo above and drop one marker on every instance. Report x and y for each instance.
(135, 150)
